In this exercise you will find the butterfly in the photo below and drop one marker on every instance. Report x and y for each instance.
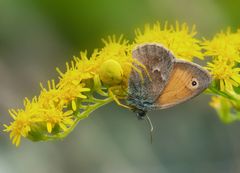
(164, 82)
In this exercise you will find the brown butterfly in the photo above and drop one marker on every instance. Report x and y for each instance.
(165, 82)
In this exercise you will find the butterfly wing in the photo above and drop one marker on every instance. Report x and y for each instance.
(186, 81)
(159, 64)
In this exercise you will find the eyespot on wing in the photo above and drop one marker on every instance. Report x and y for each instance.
(186, 81)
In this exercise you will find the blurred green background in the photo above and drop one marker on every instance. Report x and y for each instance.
(36, 36)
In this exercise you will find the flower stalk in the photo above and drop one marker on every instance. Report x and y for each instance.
(89, 82)
(80, 116)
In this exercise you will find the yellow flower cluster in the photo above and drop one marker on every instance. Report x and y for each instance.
(49, 111)
(227, 109)
(56, 109)
(180, 39)
(224, 49)
(224, 52)
(59, 107)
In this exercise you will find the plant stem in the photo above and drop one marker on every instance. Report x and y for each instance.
(80, 116)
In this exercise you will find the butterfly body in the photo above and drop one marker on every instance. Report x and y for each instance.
(165, 82)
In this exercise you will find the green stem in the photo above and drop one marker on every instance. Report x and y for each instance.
(212, 90)
(80, 116)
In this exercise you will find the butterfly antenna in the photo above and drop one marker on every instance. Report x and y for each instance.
(149, 122)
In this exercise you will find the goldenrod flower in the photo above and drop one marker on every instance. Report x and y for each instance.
(115, 56)
(55, 106)
(50, 97)
(215, 102)
(224, 46)
(53, 116)
(58, 108)
(225, 109)
(106, 72)
(180, 39)
(23, 120)
(227, 74)
(224, 51)
(114, 46)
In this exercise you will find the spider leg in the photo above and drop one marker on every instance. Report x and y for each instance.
(116, 98)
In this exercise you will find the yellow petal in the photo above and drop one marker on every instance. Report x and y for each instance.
(69, 112)
(76, 82)
(49, 127)
(18, 140)
(221, 85)
(12, 113)
(63, 126)
(85, 89)
(74, 106)
(82, 96)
